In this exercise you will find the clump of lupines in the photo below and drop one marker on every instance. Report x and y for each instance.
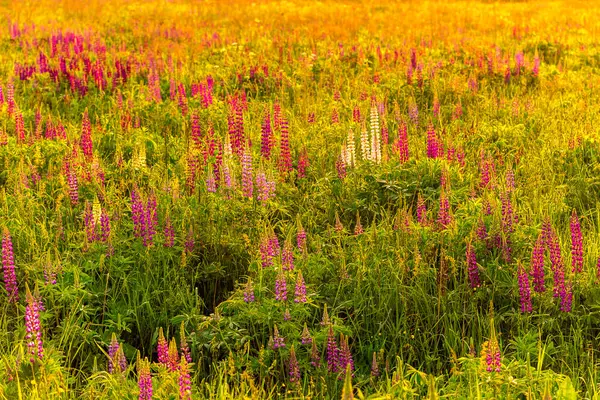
(33, 327)
(144, 379)
(472, 267)
(265, 187)
(576, 243)
(300, 289)
(524, 290)
(8, 267)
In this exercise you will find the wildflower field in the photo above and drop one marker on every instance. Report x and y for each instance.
(299, 199)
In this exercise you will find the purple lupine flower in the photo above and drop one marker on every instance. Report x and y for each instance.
(306, 338)
(598, 269)
(162, 348)
(90, 224)
(249, 292)
(301, 238)
(344, 356)
(300, 290)
(144, 380)
(566, 297)
(294, 368)
(374, 366)
(286, 315)
(33, 328)
(524, 290)
(262, 186)
(8, 267)
(401, 145)
(472, 268)
(332, 352)
(49, 274)
(113, 350)
(151, 220)
(86, 137)
(285, 157)
(104, 226)
(185, 383)
(519, 62)
(493, 357)
(287, 257)
(211, 184)
(169, 233)
(265, 139)
(281, 287)
(537, 265)
(340, 166)
(265, 252)
(73, 184)
(303, 163)
(444, 218)
(278, 341)
(432, 143)
(481, 231)
(576, 243)
(315, 358)
(247, 185)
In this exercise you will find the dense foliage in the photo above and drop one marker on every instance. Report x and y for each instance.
(299, 199)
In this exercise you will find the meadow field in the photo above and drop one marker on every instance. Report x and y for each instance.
(299, 199)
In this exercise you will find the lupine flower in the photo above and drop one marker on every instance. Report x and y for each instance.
(189, 241)
(375, 136)
(566, 297)
(436, 107)
(86, 137)
(286, 315)
(249, 292)
(332, 352)
(266, 140)
(163, 348)
(300, 290)
(576, 243)
(8, 267)
(335, 118)
(33, 328)
(113, 349)
(285, 157)
(169, 233)
(510, 180)
(144, 379)
(173, 356)
(278, 341)
(247, 181)
(90, 225)
(481, 231)
(294, 368)
(315, 358)
(301, 238)
(524, 290)
(104, 226)
(537, 265)
(338, 223)
(344, 355)
(444, 218)
(421, 210)
(306, 338)
(303, 163)
(472, 267)
(401, 145)
(280, 287)
(413, 113)
(325, 320)
(185, 383)
(183, 345)
(598, 269)
(433, 148)
(492, 354)
(340, 166)
(374, 366)
(287, 257)
(73, 185)
(358, 229)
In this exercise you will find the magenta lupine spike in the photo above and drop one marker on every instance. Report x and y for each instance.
(335, 118)
(300, 289)
(163, 348)
(172, 89)
(281, 287)
(472, 267)
(10, 98)
(262, 187)
(144, 380)
(340, 166)
(169, 233)
(508, 215)
(566, 297)
(249, 292)
(211, 185)
(183, 345)
(332, 352)
(247, 181)
(432, 143)
(265, 253)
(401, 144)
(557, 264)
(265, 139)
(344, 356)
(19, 127)
(294, 368)
(493, 357)
(239, 123)
(301, 239)
(305, 337)
(524, 290)
(444, 218)
(576, 243)
(185, 383)
(537, 265)
(303, 163)
(598, 269)
(33, 328)
(196, 134)
(151, 220)
(73, 184)
(8, 267)
(278, 340)
(482, 233)
(285, 157)
(485, 169)
(86, 137)
(287, 257)
(182, 100)
(356, 117)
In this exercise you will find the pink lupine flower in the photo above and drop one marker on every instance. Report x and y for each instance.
(285, 157)
(8, 266)
(249, 292)
(472, 267)
(576, 243)
(86, 137)
(163, 348)
(344, 359)
(278, 341)
(444, 218)
(266, 140)
(294, 368)
(432, 143)
(537, 265)
(401, 145)
(332, 352)
(280, 287)
(33, 328)
(144, 380)
(185, 384)
(421, 210)
(287, 257)
(300, 289)
(524, 290)
(247, 181)
(169, 233)
(303, 163)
